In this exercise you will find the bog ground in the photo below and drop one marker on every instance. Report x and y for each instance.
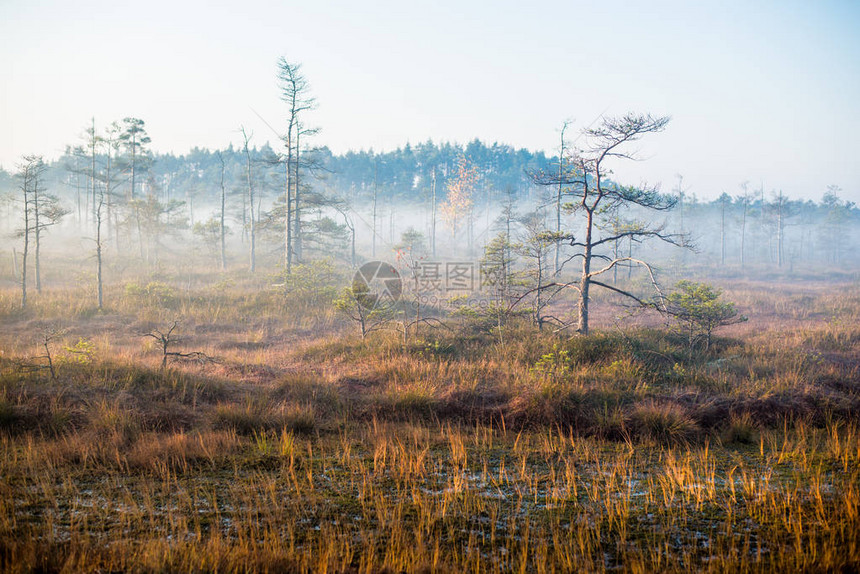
(288, 443)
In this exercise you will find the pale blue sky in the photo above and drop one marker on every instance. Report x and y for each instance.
(764, 91)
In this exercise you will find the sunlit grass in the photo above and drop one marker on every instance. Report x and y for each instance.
(302, 447)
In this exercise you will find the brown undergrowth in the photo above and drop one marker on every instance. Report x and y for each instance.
(305, 448)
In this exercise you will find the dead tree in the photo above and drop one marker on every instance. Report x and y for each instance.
(99, 251)
(295, 93)
(562, 168)
(249, 174)
(222, 229)
(35, 363)
(745, 200)
(165, 339)
(48, 335)
(724, 200)
(30, 172)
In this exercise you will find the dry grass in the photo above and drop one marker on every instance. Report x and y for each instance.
(304, 448)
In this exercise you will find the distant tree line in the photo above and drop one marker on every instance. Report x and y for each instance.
(295, 202)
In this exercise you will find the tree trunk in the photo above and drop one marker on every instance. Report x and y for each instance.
(37, 235)
(743, 233)
(288, 218)
(26, 248)
(99, 257)
(723, 234)
(375, 193)
(433, 214)
(251, 226)
(223, 231)
(585, 279)
(558, 199)
(297, 226)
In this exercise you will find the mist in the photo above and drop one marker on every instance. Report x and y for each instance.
(443, 357)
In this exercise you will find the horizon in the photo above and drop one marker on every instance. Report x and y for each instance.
(762, 93)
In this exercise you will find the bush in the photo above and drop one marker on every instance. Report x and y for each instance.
(698, 310)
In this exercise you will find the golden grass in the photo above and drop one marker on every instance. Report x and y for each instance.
(404, 497)
(304, 448)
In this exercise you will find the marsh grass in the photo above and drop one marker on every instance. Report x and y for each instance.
(305, 448)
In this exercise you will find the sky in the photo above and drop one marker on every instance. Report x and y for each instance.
(765, 92)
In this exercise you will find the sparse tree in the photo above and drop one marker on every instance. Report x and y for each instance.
(724, 200)
(595, 195)
(535, 247)
(99, 252)
(168, 338)
(745, 200)
(433, 204)
(30, 173)
(781, 210)
(45, 211)
(699, 311)
(158, 219)
(360, 306)
(222, 228)
(210, 234)
(252, 231)
(460, 201)
(343, 207)
(295, 92)
(136, 159)
(836, 214)
(560, 191)
(497, 277)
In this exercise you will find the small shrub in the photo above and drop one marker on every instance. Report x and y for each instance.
(554, 365)
(81, 353)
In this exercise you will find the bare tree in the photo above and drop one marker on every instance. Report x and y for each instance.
(360, 306)
(49, 334)
(781, 212)
(30, 173)
(433, 213)
(295, 93)
(252, 219)
(222, 227)
(724, 201)
(92, 143)
(745, 200)
(41, 211)
(594, 195)
(167, 338)
(99, 252)
(344, 208)
(47, 212)
(833, 228)
(562, 168)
